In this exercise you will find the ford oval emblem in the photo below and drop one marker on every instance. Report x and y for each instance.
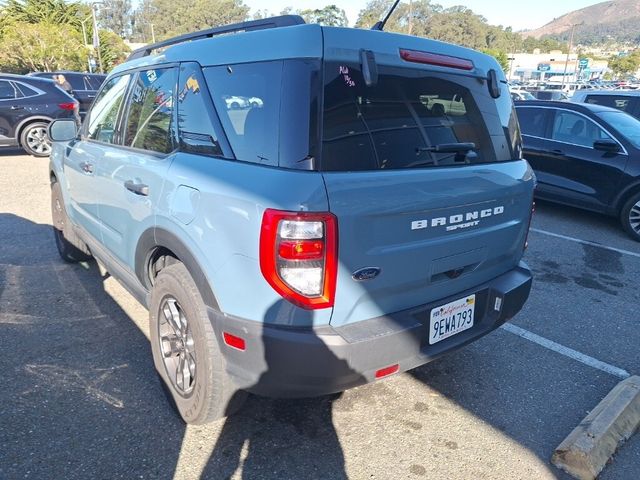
(367, 273)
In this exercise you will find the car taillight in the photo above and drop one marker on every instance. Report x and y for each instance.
(299, 256)
(67, 105)
(526, 238)
(429, 58)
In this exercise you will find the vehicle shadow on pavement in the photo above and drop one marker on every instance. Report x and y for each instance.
(80, 398)
(282, 438)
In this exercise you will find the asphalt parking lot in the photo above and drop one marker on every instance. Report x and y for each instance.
(81, 399)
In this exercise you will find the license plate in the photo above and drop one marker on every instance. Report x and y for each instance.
(452, 318)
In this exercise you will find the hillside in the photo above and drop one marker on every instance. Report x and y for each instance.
(615, 20)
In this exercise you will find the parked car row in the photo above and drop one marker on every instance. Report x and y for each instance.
(28, 103)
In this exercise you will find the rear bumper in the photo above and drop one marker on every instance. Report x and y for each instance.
(284, 362)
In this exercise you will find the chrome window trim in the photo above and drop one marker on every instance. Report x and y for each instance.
(14, 91)
(624, 150)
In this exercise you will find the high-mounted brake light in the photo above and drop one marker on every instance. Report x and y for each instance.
(299, 256)
(67, 105)
(436, 59)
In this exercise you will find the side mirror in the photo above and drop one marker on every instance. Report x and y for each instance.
(608, 146)
(63, 130)
(493, 83)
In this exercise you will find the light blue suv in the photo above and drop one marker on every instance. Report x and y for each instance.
(359, 210)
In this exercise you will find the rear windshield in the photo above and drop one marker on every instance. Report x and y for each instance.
(397, 122)
(621, 102)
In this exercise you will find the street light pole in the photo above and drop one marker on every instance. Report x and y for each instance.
(566, 62)
(96, 37)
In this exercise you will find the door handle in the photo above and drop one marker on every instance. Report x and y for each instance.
(557, 152)
(86, 167)
(17, 107)
(137, 188)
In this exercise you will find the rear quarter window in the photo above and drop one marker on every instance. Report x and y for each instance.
(533, 121)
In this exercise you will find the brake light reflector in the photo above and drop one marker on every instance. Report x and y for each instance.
(233, 341)
(67, 106)
(436, 59)
(386, 371)
(299, 256)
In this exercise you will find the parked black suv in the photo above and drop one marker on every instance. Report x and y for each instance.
(27, 106)
(84, 85)
(585, 155)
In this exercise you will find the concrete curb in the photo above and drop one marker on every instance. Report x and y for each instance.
(588, 448)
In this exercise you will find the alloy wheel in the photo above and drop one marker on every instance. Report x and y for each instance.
(38, 140)
(177, 346)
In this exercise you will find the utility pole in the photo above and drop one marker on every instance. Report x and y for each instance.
(566, 62)
(96, 37)
(410, 16)
(153, 35)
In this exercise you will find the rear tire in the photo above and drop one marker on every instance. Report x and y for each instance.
(185, 350)
(69, 245)
(630, 217)
(35, 140)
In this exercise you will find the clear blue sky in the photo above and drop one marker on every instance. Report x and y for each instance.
(519, 15)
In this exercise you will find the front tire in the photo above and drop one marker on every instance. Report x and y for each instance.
(69, 245)
(186, 352)
(35, 140)
(630, 217)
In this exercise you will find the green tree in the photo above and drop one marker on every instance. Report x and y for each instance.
(331, 16)
(500, 56)
(43, 47)
(53, 12)
(170, 17)
(113, 50)
(115, 15)
(625, 65)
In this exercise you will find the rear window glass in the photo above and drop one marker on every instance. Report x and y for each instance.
(397, 122)
(620, 102)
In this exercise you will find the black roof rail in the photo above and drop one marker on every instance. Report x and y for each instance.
(273, 22)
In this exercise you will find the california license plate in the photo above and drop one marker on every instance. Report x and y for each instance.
(452, 318)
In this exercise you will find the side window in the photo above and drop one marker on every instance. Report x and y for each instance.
(570, 127)
(150, 123)
(26, 90)
(7, 91)
(196, 129)
(247, 99)
(101, 121)
(620, 102)
(533, 121)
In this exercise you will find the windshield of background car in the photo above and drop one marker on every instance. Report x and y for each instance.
(627, 125)
(391, 125)
(268, 109)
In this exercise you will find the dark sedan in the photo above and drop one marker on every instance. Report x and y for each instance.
(27, 106)
(587, 156)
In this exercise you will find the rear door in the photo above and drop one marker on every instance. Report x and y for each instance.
(130, 176)
(576, 173)
(433, 223)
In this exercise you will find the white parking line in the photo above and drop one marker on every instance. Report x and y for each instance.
(567, 352)
(587, 242)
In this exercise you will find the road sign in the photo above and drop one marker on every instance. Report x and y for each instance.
(584, 63)
(544, 67)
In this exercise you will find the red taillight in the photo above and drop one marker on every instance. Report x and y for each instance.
(67, 106)
(299, 256)
(526, 238)
(386, 371)
(436, 59)
(233, 341)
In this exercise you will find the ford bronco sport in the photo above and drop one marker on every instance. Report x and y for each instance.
(339, 230)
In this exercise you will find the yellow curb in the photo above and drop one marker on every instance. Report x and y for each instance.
(588, 448)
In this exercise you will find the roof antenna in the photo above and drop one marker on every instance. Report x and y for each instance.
(380, 24)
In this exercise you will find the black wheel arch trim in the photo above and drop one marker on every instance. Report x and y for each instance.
(153, 238)
(624, 196)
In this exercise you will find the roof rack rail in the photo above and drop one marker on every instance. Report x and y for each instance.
(273, 22)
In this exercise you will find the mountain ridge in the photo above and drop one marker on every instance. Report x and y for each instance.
(615, 20)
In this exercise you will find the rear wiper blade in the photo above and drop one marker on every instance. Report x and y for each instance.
(448, 148)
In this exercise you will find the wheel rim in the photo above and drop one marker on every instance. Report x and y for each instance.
(634, 217)
(38, 141)
(177, 346)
